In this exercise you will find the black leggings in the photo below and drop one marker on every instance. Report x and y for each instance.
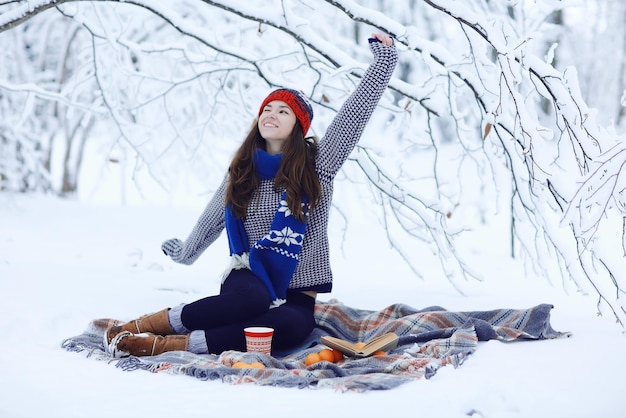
(243, 302)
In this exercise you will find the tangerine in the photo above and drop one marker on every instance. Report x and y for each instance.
(359, 345)
(380, 353)
(257, 365)
(240, 365)
(338, 356)
(327, 355)
(312, 359)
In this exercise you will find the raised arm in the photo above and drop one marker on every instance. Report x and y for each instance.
(206, 231)
(346, 128)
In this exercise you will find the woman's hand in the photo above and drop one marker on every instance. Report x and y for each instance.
(383, 38)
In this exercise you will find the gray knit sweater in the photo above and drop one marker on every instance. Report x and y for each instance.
(313, 271)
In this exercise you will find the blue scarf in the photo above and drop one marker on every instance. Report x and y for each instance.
(274, 257)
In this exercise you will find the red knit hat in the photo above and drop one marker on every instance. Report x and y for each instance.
(297, 102)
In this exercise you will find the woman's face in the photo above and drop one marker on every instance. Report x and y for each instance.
(275, 124)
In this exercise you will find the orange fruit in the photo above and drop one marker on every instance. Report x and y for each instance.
(240, 365)
(359, 345)
(327, 355)
(338, 356)
(257, 365)
(312, 359)
(380, 353)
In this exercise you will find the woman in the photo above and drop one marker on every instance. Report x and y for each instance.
(279, 257)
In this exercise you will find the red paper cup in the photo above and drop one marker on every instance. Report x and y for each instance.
(259, 339)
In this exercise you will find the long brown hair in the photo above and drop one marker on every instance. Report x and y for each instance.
(296, 173)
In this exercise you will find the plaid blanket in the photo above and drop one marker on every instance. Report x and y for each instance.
(429, 339)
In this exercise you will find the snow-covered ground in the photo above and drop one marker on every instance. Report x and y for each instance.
(64, 263)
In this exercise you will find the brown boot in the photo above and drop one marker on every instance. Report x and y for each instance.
(126, 344)
(156, 323)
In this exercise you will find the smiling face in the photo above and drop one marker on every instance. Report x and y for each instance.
(276, 123)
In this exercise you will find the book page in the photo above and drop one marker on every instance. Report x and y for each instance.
(384, 342)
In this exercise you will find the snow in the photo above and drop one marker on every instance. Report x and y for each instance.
(66, 262)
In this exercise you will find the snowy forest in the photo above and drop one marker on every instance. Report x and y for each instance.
(497, 106)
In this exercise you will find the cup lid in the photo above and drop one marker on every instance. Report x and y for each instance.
(258, 330)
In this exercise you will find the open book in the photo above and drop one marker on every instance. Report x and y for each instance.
(383, 343)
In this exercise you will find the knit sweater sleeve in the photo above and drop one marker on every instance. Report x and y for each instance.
(207, 229)
(346, 128)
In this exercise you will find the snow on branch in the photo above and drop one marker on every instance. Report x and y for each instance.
(550, 166)
(422, 219)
